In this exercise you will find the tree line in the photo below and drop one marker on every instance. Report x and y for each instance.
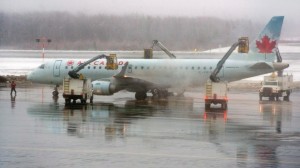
(110, 32)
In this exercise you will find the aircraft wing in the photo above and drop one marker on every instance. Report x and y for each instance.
(121, 82)
(136, 85)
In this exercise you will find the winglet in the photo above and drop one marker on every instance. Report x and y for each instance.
(123, 71)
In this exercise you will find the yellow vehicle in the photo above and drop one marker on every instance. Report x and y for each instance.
(243, 45)
(112, 62)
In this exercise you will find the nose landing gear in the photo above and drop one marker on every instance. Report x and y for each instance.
(55, 92)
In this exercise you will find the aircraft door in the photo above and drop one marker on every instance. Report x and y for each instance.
(56, 68)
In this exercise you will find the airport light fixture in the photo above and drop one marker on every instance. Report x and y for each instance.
(43, 41)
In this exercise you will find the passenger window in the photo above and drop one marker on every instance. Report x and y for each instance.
(94, 67)
(66, 67)
(89, 67)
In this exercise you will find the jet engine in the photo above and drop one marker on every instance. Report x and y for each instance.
(103, 88)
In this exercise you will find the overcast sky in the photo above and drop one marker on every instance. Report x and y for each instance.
(252, 9)
(256, 10)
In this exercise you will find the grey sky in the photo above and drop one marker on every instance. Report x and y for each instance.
(252, 9)
(256, 10)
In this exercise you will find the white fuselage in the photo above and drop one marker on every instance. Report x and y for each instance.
(173, 72)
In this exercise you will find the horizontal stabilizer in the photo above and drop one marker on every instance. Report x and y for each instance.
(261, 65)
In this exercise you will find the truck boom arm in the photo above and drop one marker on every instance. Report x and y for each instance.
(162, 47)
(241, 42)
(213, 76)
(73, 73)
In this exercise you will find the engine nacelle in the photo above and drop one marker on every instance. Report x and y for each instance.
(103, 88)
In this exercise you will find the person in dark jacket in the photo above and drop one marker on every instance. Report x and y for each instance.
(13, 87)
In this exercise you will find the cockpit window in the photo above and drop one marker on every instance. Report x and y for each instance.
(42, 66)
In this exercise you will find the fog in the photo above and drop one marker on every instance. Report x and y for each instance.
(233, 17)
(253, 9)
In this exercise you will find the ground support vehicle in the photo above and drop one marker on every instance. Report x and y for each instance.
(215, 89)
(215, 93)
(74, 89)
(275, 86)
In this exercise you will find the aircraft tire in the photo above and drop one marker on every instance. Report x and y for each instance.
(260, 97)
(55, 93)
(140, 95)
(83, 101)
(67, 101)
(91, 99)
(288, 95)
(207, 106)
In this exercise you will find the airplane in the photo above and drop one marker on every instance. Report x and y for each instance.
(158, 75)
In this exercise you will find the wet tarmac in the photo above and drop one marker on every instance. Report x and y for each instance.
(117, 131)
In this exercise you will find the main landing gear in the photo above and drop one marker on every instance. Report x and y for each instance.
(159, 93)
(55, 91)
(156, 94)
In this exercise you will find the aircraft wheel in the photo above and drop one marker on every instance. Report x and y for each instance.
(140, 95)
(67, 101)
(224, 106)
(91, 99)
(260, 97)
(288, 95)
(155, 93)
(286, 98)
(163, 94)
(83, 101)
(207, 106)
(55, 93)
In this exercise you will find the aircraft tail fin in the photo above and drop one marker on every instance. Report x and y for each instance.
(264, 46)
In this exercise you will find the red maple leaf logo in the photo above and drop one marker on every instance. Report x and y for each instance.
(265, 45)
(70, 62)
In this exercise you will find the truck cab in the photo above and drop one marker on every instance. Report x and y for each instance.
(274, 86)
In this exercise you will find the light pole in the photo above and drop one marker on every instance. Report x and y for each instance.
(43, 41)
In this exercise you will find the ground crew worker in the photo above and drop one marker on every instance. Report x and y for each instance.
(13, 87)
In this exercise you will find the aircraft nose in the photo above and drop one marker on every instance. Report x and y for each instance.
(280, 66)
(29, 76)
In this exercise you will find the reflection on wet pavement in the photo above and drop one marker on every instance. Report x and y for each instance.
(117, 131)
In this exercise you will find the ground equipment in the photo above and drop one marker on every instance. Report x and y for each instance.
(215, 89)
(74, 89)
(216, 93)
(78, 86)
(275, 86)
